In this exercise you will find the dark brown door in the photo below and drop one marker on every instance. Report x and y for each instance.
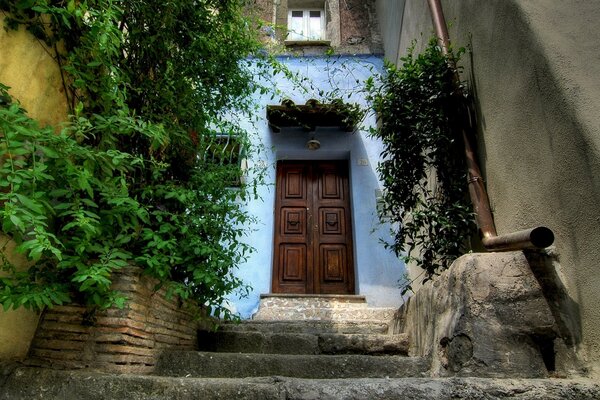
(313, 234)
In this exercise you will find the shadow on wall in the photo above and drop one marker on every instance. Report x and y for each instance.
(564, 309)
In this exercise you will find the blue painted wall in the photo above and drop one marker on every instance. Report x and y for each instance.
(377, 270)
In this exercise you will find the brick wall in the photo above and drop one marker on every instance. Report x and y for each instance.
(121, 340)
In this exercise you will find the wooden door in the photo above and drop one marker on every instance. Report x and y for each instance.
(313, 230)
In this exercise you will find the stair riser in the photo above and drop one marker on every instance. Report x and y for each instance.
(320, 307)
(301, 343)
(227, 365)
(325, 314)
(312, 327)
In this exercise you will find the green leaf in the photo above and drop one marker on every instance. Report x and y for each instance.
(24, 4)
(29, 203)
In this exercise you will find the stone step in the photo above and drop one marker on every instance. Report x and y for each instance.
(243, 365)
(309, 326)
(303, 343)
(313, 300)
(326, 314)
(319, 314)
(320, 307)
(29, 383)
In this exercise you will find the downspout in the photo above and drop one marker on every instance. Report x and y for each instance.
(538, 237)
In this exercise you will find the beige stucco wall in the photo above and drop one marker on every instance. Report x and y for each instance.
(534, 69)
(389, 13)
(35, 81)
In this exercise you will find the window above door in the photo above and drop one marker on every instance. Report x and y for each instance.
(306, 25)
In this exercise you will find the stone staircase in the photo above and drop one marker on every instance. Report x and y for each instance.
(327, 337)
(328, 347)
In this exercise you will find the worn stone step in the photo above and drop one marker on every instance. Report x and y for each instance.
(243, 365)
(319, 307)
(312, 301)
(29, 383)
(326, 314)
(303, 343)
(315, 326)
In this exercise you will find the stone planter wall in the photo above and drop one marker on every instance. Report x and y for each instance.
(127, 340)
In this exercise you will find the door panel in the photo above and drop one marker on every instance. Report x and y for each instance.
(313, 237)
(293, 259)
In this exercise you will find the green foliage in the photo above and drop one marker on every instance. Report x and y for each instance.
(423, 170)
(126, 180)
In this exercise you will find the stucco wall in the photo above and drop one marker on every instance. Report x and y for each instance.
(534, 70)
(35, 81)
(389, 14)
(27, 66)
(377, 270)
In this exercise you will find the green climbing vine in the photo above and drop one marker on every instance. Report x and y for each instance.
(132, 177)
(423, 170)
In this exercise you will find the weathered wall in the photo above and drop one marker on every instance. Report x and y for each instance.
(533, 69)
(16, 327)
(28, 67)
(487, 316)
(389, 14)
(352, 26)
(35, 81)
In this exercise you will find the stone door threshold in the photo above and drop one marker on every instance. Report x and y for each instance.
(351, 297)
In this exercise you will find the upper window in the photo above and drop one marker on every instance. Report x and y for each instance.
(306, 24)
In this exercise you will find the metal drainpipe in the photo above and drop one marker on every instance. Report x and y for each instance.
(538, 237)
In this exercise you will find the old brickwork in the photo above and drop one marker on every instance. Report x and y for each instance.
(121, 340)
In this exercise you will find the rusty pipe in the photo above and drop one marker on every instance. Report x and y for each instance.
(440, 26)
(539, 237)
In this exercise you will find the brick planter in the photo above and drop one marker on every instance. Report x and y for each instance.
(122, 340)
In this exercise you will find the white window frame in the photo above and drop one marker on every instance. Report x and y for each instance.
(300, 36)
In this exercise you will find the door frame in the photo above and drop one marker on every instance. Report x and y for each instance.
(313, 280)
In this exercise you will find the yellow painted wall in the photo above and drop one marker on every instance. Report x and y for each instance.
(16, 327)
(34, 77)
(28, 67)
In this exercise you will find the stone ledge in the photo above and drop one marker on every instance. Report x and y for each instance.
(486, 316)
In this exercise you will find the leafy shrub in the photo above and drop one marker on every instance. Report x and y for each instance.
(423, 169)
(126, 180)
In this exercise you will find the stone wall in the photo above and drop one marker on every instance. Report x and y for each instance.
(120, 340)
(488, 316)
